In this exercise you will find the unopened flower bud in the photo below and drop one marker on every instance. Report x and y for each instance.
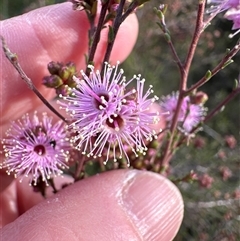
(206, 181)
(225, 172)
(231, 141)
(154, 144)
(71, 67)
(114, 7)
(163, 8)
(221, 154)
(189, 178)
(236, 194)
(54, 67)
(199, 98)
(192, 176)
(64, 73)
(71, 82)
(63, 90)
(52, 81)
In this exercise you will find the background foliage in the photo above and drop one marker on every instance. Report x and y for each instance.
(211, 211)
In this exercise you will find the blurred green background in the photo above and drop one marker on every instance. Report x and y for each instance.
(211, 213)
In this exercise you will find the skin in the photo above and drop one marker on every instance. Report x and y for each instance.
(116, 205)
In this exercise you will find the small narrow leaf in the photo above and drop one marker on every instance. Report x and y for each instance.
(167, 37)
(227, 63)
(208, 75)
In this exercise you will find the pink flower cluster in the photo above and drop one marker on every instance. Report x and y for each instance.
(190, 114)
(110, 118)
(37, 148)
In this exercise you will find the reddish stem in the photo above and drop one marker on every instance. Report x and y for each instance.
(183, 84)
(228, 57)
(98, 32)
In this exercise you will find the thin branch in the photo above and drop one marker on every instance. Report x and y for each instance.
(91, 32)
(233, 94)
(129, 10)
(98, 32)
(227, 57)
(176, 58)
(14, 61)
(195, 39)
(168, 39)
(183, 84)
(79, 167)
(116, 24)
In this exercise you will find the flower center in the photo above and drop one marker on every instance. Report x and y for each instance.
(101, 103)
(115, 122)
(40, 150)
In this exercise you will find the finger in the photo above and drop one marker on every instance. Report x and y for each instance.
(51, 33)
(18, 197)
(8, 203)
(27, 198)
(116, 205)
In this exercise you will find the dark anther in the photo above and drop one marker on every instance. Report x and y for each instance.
(53, 143)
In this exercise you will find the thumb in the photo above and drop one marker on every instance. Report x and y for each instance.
(116, 205)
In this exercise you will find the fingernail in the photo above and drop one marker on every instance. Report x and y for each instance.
(153, 204)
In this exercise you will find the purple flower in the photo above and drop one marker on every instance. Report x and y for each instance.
(218, 6)
(194, 115)
(36, 147)
(94, 99)
(109, 119)
(190, 114)
(169, 104)
(234, 15)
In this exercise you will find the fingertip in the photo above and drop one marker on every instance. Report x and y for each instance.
(116, 205)
(126, 39)
(28, 198)
(154, 205)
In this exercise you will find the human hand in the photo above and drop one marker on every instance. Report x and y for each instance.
(116, 205)
(53, 33)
